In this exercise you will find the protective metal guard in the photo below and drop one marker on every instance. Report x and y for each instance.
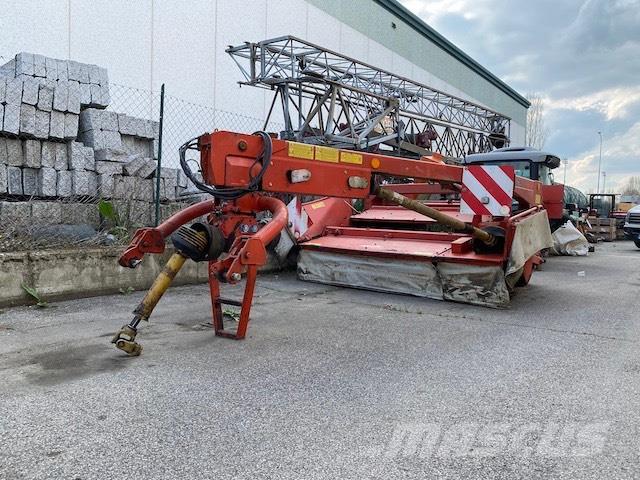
(532, 235)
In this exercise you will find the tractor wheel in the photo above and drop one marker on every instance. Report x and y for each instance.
(637, 242)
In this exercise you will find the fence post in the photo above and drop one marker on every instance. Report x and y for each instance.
(160, 128)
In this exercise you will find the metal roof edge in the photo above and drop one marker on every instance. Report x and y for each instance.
(415, 22)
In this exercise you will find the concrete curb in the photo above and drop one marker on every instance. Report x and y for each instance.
(86, 272)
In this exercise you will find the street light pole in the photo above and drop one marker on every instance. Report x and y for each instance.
(599, 162)
(566, 162)
(604, 182)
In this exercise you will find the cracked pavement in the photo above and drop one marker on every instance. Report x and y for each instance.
(333, 383)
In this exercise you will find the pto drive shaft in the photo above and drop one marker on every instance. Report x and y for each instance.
(125, 338)
(438, 216)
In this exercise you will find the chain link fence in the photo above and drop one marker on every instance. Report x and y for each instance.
(80, 158)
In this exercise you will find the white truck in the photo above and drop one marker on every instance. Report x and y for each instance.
(632, 225)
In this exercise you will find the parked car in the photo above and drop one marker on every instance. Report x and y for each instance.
(632, 225)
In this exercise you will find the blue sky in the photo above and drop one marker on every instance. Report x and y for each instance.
(582, 57)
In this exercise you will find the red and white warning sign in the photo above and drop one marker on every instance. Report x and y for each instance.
(487, 190)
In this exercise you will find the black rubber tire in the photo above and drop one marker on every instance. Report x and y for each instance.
(637, 242)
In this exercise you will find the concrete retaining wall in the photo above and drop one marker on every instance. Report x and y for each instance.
(59, 274)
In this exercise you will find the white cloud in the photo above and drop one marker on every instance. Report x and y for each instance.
(620, 159)
(613, 103)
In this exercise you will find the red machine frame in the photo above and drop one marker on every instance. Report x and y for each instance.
(229, 160)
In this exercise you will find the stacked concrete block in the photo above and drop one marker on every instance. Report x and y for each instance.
(14, 180)
(3, 179)
(46, 213)
(33, 87)
(47, 182)
(80, 157)
(32, 153)
(30, 68)
(64, 183)
(57, 142)
(99, 130)
(15, 157)
(30, 181)
(13, 212)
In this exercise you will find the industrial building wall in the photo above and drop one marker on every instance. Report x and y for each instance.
(181, 43)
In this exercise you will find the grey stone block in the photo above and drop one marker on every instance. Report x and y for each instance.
(93, 184)
(14, 212)
(85, 73)
(96, 95)
(14, 175)
(39, 66)
(85, 94)
(30, 181)
(73, 70)
(61, 96)
(15, 156)
(73, 99)
(46, 213)
(64, 184)
(144, 189)
(3, 178)
(42, 124)
(81, 213)
(126, 125)
(3, 151)
(109, 168)
(51, 65)
(75, 156)
(109, 120)
(123, 187)
(56, 125)
(3, 89)
(61, 162)
(27, 119)
(45, 98)
(80, 182)
(140, 213)
(105, 96)
(112, 155)
(62, 70)
(11, 122)
(30, 87)
(138, 127)
(137, 146)
(102, 139)
(32, 153)
(140, 167)
(80, 157)
(48, 156)
(9, 68)
(70, 126)
(105, 185)
(104, 76)
(47, 182)
(90, 119)
(13, 91)
(89, 159)
(94, 74)
(24, 64)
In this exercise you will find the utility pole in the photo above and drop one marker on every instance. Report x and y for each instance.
(599, 163)
(566, 162)
(604, 182)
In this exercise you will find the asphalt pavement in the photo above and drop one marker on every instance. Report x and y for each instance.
(334, 383)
